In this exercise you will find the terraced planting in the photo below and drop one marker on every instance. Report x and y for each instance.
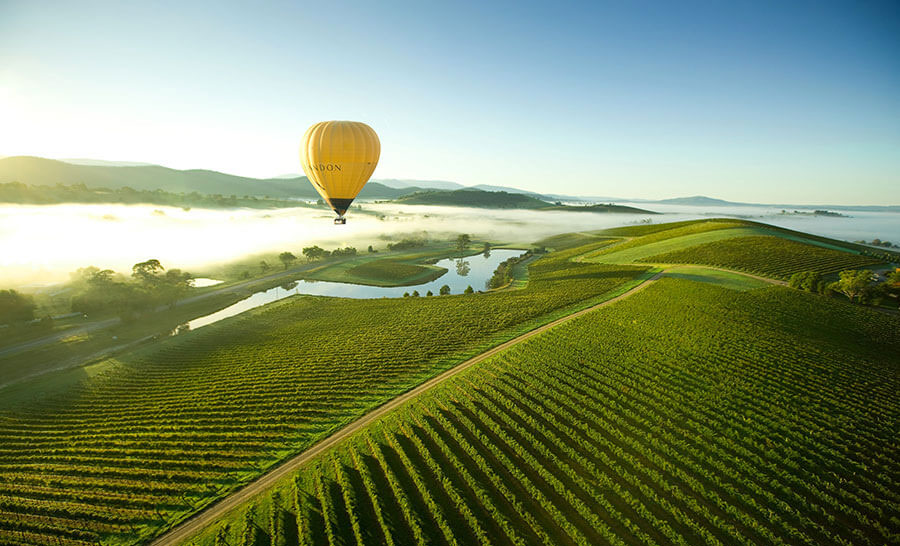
(767, 255)
(686, 414)
(119, 450)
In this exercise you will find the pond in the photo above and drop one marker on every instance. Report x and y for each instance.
(472, 271)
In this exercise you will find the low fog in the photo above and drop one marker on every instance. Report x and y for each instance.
(42, 244)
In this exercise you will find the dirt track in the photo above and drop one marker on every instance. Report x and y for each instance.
(180, 533)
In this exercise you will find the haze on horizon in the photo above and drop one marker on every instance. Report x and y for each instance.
(755, 102)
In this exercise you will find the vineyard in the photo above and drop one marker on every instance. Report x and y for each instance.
(686, 414)
(767, 255)
(117, 451)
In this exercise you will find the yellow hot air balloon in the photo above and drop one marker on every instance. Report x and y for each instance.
(338, 157)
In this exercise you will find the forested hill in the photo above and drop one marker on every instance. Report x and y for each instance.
(37, 171)
(503, 200)
(474, 198)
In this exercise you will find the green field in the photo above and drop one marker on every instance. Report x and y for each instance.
(771, 256)
(732, 244)
(118, 450)
(379, 272)
(398, 268)
(725, 279)
(687, 414)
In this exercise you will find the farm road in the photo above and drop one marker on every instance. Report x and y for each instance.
(182, 532)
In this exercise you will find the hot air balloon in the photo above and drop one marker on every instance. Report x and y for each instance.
(338, 157)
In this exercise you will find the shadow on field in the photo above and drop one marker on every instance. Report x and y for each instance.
(618, 273)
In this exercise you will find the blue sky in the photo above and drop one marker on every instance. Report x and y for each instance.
(750, 101)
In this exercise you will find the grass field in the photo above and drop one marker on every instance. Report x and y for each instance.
(687, 414)
(121, 449)
(725, 279)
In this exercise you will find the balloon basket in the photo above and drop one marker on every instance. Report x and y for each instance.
(340, 221)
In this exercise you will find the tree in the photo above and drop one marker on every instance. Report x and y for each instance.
(469, 290)
(315, 253)
(287, 258)
(347, 251)
(147, 272)
(487, 250)
(406, 294)
(371, 249)
(853, 282)
(444, 291)
(462, 242)
(429, 293)
(415, 294)
(15, 307)
(810, 281)
(264, 266)
(174, 284)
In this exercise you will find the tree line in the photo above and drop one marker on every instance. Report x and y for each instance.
(858, 285)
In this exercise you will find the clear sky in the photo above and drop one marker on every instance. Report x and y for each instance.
(751, 101)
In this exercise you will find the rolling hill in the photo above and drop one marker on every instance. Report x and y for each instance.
(503, 200)
(37, 171)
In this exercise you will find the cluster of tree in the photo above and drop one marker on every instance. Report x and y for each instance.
(443, 291)
(15, 307)
(503, 274)
(858, 285)
(15, 192)
(313, 253)
(102, 291)
(406, 244)
(878, 242)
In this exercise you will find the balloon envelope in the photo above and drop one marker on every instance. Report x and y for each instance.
(338, 157)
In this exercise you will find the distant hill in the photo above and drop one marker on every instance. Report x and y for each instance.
(37, 171)
(424, 184)
(503, 200)
(703, 201)
(474, 198)
(609, 207)
(104, 163)
(697, 200)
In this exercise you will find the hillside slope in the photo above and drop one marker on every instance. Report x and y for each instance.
(686, 414)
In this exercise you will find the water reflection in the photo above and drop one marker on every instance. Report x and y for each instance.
(462, 267)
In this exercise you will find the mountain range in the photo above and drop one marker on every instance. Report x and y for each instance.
(147, 177)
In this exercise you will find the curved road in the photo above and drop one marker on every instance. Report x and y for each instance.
(185, 530)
